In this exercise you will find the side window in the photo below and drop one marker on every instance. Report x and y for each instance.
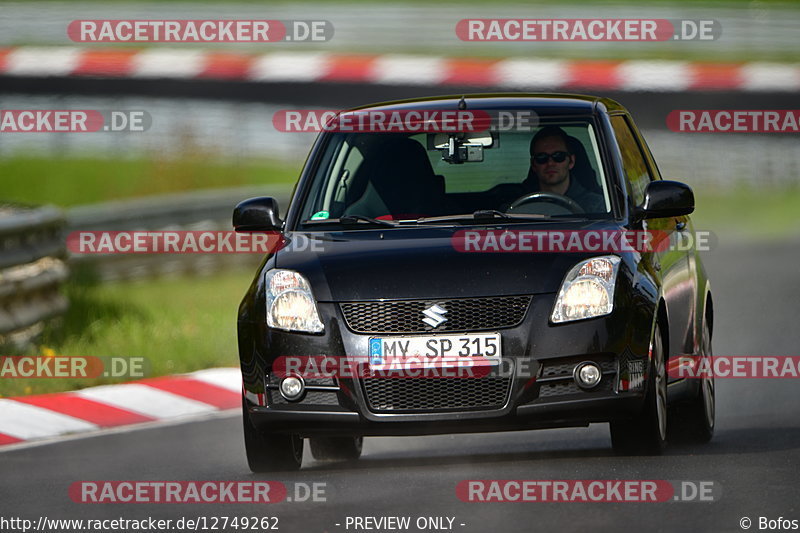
(632, 159)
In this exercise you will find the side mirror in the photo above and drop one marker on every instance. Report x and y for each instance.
(257, 214)
(664, 199)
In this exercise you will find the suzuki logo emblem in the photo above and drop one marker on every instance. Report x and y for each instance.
(433, 316)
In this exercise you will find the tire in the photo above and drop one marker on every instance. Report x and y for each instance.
(336, 448)
(270, 453)
(693, 422)
(647, 433)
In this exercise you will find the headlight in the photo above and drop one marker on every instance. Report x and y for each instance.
(588, 290)
(290, 303)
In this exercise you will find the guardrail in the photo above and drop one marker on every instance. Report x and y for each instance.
(32, 269)
(195, 211)
(33, 256)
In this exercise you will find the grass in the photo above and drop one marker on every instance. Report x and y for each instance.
(748, 213)
(84, 180)
(177, 325)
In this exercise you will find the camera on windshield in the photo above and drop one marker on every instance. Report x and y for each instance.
(458, 149)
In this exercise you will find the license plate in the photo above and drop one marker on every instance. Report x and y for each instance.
(435, 347)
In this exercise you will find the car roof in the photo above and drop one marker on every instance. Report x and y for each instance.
(543, 103)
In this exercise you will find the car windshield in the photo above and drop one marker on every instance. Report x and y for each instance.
(553, 171)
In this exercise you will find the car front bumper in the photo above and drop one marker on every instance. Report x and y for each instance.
(540, 391)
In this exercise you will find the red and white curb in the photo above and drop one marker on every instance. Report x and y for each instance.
(172, 398)
(391, 69)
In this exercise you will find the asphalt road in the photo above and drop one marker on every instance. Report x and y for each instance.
(753, 458)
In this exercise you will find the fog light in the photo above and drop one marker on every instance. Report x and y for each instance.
(292, 388)
(587, 375)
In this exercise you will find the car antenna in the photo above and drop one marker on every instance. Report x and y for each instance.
(462, 104)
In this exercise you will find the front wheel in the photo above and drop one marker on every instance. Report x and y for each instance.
(270, 452)
(693, 422)
(647, 433)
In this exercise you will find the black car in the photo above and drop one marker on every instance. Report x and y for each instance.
(419, 251)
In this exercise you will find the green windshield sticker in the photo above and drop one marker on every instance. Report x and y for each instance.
(320, 215)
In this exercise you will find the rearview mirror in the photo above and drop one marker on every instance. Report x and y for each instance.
(664, 199)
(488, 139)
(257, 214)
(458, 148)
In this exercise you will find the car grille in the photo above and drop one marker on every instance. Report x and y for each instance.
(435, 394)
(310, 398)
(463, 314)
(566, 386)
(564, 370)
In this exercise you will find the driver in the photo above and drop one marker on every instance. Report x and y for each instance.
(551, 163)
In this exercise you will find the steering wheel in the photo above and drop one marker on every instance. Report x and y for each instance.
(548, 197)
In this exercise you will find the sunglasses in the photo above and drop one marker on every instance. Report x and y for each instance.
(542, 157)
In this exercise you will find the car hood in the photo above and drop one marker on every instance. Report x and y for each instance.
(422, 263)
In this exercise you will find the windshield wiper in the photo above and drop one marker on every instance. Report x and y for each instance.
(490, 213)
(485, 214)
(353, 220)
